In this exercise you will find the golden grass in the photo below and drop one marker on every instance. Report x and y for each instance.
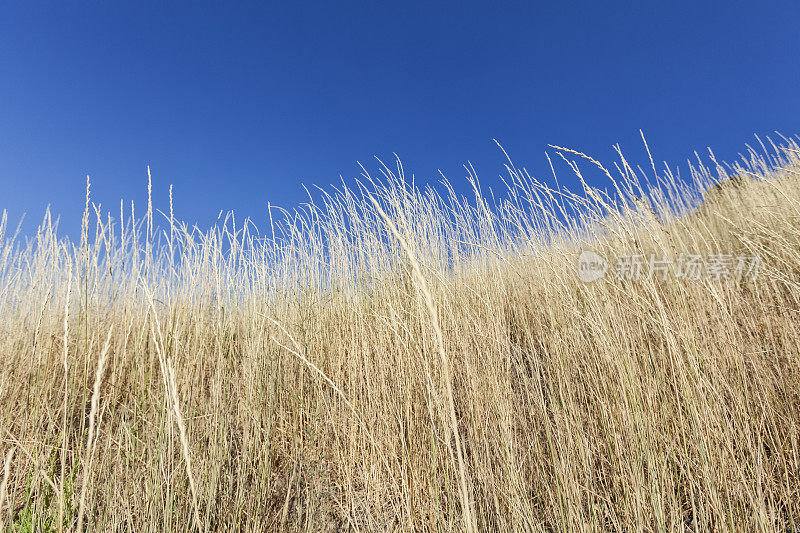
(388, 358)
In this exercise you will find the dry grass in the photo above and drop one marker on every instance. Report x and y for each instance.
(386, 358)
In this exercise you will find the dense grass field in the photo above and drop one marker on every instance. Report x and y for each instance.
(389, 358)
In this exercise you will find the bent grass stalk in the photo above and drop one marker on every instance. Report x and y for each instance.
(184, 443)
(424, 291)
(90, 439)
(61, 495)
(3, 484)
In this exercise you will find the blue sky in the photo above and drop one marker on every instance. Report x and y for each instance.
(237, 104)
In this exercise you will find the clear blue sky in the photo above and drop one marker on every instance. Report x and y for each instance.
(237, 104)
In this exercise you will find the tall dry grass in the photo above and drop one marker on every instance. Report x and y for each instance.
(389, 358)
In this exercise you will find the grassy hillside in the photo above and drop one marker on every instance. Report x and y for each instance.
(397, 359)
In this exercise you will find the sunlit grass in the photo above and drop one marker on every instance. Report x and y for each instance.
(387, 358)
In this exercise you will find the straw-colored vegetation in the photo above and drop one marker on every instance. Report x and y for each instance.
(386, 358)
